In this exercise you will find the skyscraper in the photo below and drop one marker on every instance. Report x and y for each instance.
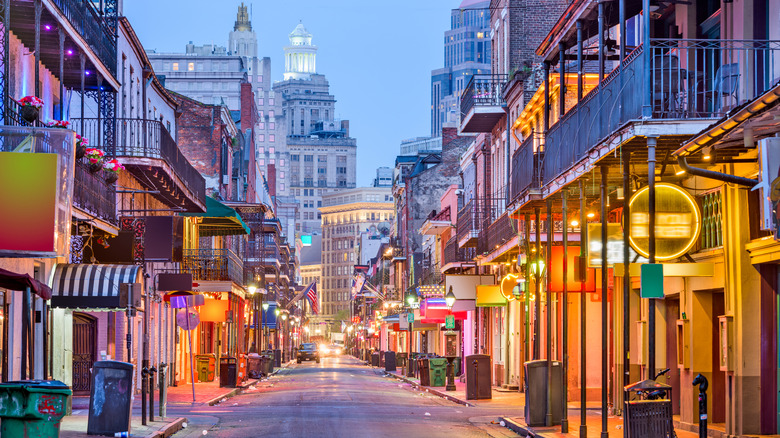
(322, 156)
(466, 53)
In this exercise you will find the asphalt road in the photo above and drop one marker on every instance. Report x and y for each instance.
(338, 398)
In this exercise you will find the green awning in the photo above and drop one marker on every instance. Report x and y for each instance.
(219, 220)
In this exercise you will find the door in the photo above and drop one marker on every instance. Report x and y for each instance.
(672, 313)
(84, 352)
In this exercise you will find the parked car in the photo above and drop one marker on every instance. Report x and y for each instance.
(308, 351)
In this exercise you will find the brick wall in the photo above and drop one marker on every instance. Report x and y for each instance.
(529, 22)
(249, 117)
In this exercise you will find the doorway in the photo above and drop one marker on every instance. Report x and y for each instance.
(718, 381)
(84, 352)
(672, 314)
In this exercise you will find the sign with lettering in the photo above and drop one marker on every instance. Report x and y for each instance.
(449, 322)
(677, 221)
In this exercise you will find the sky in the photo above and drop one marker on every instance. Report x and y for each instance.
(377, 56)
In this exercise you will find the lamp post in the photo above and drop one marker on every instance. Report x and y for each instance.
(252, 289)
(262, 323)
(450, 344)
(411, 299)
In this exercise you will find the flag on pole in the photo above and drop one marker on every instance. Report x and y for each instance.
(311, 295)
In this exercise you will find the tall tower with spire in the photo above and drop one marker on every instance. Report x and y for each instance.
(242, 41)
(300, 57)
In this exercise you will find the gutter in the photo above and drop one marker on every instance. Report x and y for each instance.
(711, 174)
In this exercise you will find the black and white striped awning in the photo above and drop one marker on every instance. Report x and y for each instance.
(91, 286)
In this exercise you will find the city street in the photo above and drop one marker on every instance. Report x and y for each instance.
(338, 397)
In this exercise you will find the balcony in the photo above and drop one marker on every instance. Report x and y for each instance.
(495, 236)
(92, 195)
(150, 153)
(482, 103)
(526, 171)
(690, 81)
(454, 254)
(213, 265)
(431, 274)
(436, 224)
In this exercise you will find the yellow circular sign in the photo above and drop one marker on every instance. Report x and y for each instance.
(507, 284)
(677, 221)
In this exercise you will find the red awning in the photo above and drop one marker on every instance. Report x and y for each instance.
(438, 316)
(14, 281)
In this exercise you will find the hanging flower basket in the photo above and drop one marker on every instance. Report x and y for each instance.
(112, 168)
(61, 124)
(94, 155)
(31, 106)
(81, 146)
(29, 114)
(95, 167)
(112, 177)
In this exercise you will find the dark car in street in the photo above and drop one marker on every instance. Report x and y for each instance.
(308, 351)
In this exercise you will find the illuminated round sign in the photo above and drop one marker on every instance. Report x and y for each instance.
(677, 221)
(508, 283)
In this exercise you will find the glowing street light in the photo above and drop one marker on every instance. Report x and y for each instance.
(450, 298)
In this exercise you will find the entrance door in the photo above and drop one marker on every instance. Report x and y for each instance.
(84, 352)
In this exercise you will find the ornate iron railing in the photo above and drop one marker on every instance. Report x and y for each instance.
(453, 253)
(213, 265)
(95, 30)
(496, 234)
(526, 169)
(482, 90)
(92, 194)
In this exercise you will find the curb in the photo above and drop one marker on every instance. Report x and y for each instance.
(520, 428)
(169, 429)
(235, 391)
(435, 392)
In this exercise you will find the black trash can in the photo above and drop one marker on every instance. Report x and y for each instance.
(458, 366)
(401, 359)
(110, 399)
(375, 359)
(390, 361)
(227, 371)
(535, 387)
(254, 366)
(278, 358)
(381, 359)
(647, 418)
(478, 377)
(425, 371)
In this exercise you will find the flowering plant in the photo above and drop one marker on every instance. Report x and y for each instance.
(58, 124)
(95, 155)
(81, 141)
(113, 166)
(34, 101)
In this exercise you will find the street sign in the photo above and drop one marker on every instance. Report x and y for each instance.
(652, 281)
(184, 324)
(410, 317)
(403, 323)
(449, 322)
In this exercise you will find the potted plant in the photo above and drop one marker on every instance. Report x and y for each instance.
(112, 167)
(61, 124)
(31, 106)
(81, 146)
(95, 157)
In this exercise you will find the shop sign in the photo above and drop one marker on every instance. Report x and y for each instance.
(677, 221)
(449, 322)
(614, 245)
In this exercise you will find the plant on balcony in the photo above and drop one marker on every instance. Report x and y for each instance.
(61, 124)
(81, 146)
(31, 106)
(95, 157)
(113, 167)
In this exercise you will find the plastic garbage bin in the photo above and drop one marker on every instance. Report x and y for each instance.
(424, 369)
(535, 386)
(205, 365)
(390, 364)
(401, 359)
(458, 366)
(375, 359)
(437, 370)
(381, 359)
(478, 377)
(33, 408)
(278, 358)
(227, 371)
(110, 399)
(270, 361)
(254, 369)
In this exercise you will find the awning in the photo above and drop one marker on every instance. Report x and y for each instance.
(219, 220)
(13, 281)
(92, 286)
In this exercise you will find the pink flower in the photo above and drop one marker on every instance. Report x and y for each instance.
(81, 141)
(94, 155)
(35, 101)
(58, 124)
(113, 165)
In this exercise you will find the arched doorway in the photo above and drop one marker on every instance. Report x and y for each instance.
(84, 352)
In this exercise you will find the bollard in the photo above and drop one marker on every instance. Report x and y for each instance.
(152, 370)
(703, 384)
(144, 380)
(161, 379)
(476, 378)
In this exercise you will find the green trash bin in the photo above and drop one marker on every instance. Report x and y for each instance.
(32, 408)
(205, 365)
(438, 371)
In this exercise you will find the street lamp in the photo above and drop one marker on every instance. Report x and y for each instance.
(265, 306)
(411, 300)
(450, 298)
(411, 297)
(451, 338)
(252, 289)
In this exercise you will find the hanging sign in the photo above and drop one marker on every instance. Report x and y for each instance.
(184, 324)
(449, 322)
(677, 221)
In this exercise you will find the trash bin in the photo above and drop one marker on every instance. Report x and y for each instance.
(242, 360)
(647, 418)
(111, 398)
(227, 371)
(535, 387)
(33, 408)
(254, 369)
(457, 364)
(375, 359)
(401, 359)
(205, 366)
(425, 371)
(381, 359)
(437, 369)
(278, 358)
(478, 377)
(390, 364)
(269, 362)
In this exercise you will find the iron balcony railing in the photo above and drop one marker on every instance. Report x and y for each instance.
(479, 213)
(13, 115)
(442, 216)
(158, 144)
(689, 79)
(468, 220)
(92, 194)
(88, 23)
(213, 265)
(453, 253)
(526, 169)
(431, 274)
(499, 232)
(482, 90)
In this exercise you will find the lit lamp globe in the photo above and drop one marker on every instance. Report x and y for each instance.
(278, 312)
(265, 306)
(450, 298)
(284, 317)
(411, 297)
(252, 289)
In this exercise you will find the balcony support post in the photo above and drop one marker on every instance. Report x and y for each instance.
(5, 56)
(537, 280)
(602, 66)
(99, 95)
(604, 303)
(579, 60)
(583, 278)
(647, 109)
(565, 313)
(562, 80)
(549, 234)
(651, 145)
(626, 262)
(622, 53)
(527, 233)
(61, 36)
(38, 9)
(546, 96)
(82, 61)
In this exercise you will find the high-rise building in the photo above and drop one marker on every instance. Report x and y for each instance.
(345, 215)
(466, 53)
(322, 156)
(384, 177)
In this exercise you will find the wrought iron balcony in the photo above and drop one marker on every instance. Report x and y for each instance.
(526, 170)
(93, 195)
(147, 149)
(437, 223)
(482, 103)
(98, 31)
(689, 79)
(495, 235)
(213, 265)
(453, 253)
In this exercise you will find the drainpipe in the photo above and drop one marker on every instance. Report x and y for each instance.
(711, 174)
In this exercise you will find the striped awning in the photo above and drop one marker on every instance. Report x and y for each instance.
(91, 286)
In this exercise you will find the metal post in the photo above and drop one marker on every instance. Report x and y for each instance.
(144, 381)
(409, 372)
(38, 8)
(546, 96)
(562, 80)
(583, 278)
(62, 73)
(537, 285)
(25, 340)
(548, 314)
(626, 265)
(82, 61)
(604, 295)
(527, 307)
(192, 361)
(565, 314)
(508, 356)
(152, 371)
(647, 109)
(580, 62)
(602, 61)
(145, 355)
(162, 379)
(651, 144)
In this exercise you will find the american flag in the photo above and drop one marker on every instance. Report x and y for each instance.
(311, 295)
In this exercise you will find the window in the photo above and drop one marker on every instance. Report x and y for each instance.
(271, 138)
(261, 137)
(272, 149)
(341, 159)
(322, 158)
(281, 174)
(308, 158)
(191, 66)
(295, 157)
(281, 162)
(261, 162)
(272, 125)
(281, 186)
(321, 170)
(341, 170)
(175, 66)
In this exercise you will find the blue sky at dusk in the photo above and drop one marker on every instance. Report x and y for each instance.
(377, 55)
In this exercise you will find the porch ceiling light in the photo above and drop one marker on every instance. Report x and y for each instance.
(575, 222)
(706, 153)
